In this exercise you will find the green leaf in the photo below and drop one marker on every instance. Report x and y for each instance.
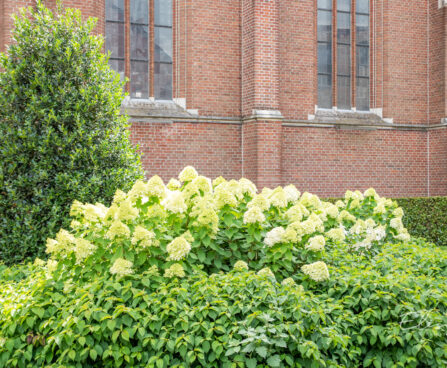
(274, 361)
(262, 351)
(125, 335)
(251, 363)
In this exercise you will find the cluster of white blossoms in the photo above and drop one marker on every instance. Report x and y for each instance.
(316, 243)
(143, 237)
(121, 267)
(274, 236)
(254, 215)
(178, 248)
(266, 271)
(240, 265)
(163, 221)
(175, 270)
(317, 271)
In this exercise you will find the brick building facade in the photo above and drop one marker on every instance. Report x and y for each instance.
(245, 84)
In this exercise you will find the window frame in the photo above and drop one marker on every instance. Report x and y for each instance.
(129, 60)
(354, 76)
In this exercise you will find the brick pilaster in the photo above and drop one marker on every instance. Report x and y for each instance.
(260, 92)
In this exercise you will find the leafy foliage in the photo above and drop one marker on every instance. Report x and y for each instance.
(62, 133)
(426, 218)
(201, 273)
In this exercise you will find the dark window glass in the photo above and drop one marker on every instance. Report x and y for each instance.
(163, 49)
(139, 11)
(344, 92)
(362, 61)
(163, 44)
(163, 12)
(325, 91)
(324, 58)
(362, 94)
(344, 60)
(115, 36)
(139, 42)
(324, 36)
(139, 48)
(344, 54)
(362, 55)
(139, 77)
(363, 6)
(362, 29)
(163, 81)
(324, 26)
(344, 5)
(115, 39)
(344, 28)
(115, 10)
(135, 17)
(324, 4)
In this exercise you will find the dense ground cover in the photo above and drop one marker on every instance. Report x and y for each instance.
(215, 274)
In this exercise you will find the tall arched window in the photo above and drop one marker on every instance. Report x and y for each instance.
(139, 37)
(343, 55)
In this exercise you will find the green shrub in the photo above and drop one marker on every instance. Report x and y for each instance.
(62, 134)
(399, 298)
(214, 274)
(426, 218)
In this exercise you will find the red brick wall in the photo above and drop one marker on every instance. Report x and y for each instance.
(406, 61)
(329, 161)
(234, 56)
(436, 109)
(213, 149)
(262, 152)
(438, 162)
(298, 78)
(213, 57)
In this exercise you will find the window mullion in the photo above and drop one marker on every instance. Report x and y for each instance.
(127, 42)
(151, 47)
(334, 53)
(353, 53)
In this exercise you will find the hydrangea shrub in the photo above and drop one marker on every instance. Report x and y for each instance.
(195, 223)
(218, 274)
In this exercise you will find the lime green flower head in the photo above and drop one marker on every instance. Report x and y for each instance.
(188, 174)
(317, 271)
(240, 266)
(253, 215)
(176, 270)
(121, 267)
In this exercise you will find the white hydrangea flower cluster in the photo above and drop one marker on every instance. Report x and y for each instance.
(254, 215)
(274, 236)
(175, 270)
(121, 267)
(316, 243)
(240, 266)
(178, 248)
(143, 237)
(317, 271)
(175, 202)
(188, 174)
(266, 272)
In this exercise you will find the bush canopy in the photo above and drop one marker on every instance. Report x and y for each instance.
(200, 273)
(62, 135)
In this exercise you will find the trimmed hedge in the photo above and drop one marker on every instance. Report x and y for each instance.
(426, 218)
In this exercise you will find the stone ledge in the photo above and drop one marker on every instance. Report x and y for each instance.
(152, 109)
